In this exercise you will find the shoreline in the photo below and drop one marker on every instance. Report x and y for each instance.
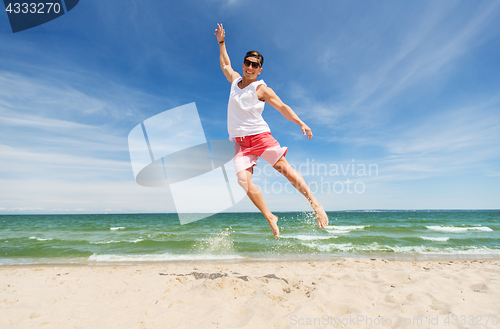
(247, 261)
(60, 262)
(252, 294)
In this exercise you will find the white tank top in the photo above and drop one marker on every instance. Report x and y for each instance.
(244, 110)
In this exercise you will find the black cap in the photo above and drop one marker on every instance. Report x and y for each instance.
(257, 55)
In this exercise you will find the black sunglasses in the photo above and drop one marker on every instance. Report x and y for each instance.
(248, 63)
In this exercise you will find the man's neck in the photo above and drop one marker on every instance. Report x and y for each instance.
(245, 82)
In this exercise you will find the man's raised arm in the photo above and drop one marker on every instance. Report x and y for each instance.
(225, 62)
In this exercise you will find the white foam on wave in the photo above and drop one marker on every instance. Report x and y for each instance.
(454, 229)
(40, 239)
(344, 247)
(307, 237)
(114, 241)
(440, 239)
(105, 242)
(463, 250)
(157, 257)
(343, 229)
(116, 228)
(375, 247)
(347, 228)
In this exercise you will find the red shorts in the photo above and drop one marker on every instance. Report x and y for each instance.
(249, 148)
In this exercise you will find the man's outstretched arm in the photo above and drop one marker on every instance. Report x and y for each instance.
(225, 62)
(268, 95)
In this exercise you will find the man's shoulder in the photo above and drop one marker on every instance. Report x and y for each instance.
(235, 77)
(264, 89)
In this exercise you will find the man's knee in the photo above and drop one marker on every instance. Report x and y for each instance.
(244, 179)
(279, 165)
(283, 167)
(243, 182)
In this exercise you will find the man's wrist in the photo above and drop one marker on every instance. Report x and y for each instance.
(221, 42)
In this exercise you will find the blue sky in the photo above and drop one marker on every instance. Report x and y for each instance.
(408, 89)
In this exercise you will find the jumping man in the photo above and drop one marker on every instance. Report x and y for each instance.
(252, 135)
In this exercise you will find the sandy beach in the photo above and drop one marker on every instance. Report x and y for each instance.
(349, 293)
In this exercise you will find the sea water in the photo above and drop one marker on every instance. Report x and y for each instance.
(159, 238)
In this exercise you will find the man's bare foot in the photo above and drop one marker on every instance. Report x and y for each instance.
(320, 215)
(273, 222)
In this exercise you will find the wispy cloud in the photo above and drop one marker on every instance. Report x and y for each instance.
(66, 148)
(448, 142)
(83, 97)
(384, 83)
(425, 51)
(447, 133)
(369, 82)
(60, 196)
(370, 110)
(25, 164)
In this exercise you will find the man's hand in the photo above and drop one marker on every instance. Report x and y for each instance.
(225, 62)
(220, 33)
(306, 131)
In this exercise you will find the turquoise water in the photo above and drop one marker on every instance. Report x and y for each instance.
(141, 238)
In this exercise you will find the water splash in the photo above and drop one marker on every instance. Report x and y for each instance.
(217, 244)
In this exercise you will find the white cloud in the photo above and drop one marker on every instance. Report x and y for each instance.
(368, 111)
(63, 128)
(52, 193)
(74, 97)
(423, 55)
(446, 143)
(364, 81)
(25, 163)
(63, 148)
(23, 209)
(493, 173)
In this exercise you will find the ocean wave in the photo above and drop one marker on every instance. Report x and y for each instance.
(454, 229)
(105, 242)
(158, 257)
(40, 239)
(345, 247)
(440, 239)
(116, 228)
(375, 247)
(344, 229)
(114, 241)
(307, 237)
(461, 250)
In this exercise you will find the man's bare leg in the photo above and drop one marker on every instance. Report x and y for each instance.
(296, 179)
(253, 192)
